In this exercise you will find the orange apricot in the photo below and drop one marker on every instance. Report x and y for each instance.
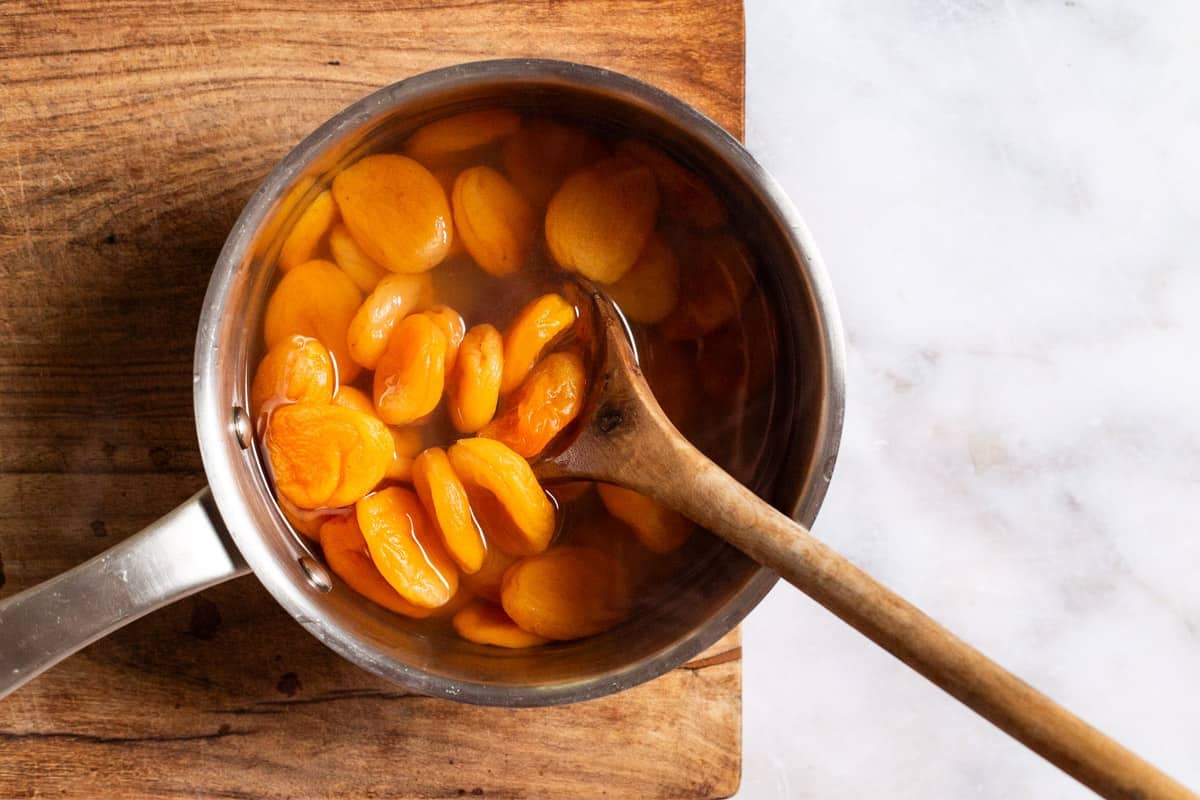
(317, 300)
(484, 623)
(600, 218)
(411, 374)
(445, 499)
(686, 198)
(567, 593)
(487, 581)
(297, 369)
(714, 284)
(365, 273)
(492, 467)
(649, 291)
(405, 548)
(347, 555)
(304, 521)
(543, 405)
(392, 300)
(396, 211)
(407, 443)
(542, 154)
(453, 326)
(534, 328)
(659, 528)
(473, 388)
(349, 397)
(496, 224)
(301, 242)
(326, 456)
(452, 138)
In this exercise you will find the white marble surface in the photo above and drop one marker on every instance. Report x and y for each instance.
(1007, 195)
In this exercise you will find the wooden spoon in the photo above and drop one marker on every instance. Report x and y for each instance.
(624, 438)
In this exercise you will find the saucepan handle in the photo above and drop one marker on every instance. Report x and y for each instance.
(182, 553)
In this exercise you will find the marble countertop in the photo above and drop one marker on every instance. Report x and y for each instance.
(1007, 196)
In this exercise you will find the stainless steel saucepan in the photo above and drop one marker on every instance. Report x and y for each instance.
(235, 526)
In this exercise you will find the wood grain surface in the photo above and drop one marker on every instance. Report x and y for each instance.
(130, 136)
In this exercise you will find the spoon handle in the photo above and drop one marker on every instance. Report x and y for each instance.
(669, 469)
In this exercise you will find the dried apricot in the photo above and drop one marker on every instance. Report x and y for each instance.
(714, 285)
(326, 456)
(297, 369)
(649, 291)
(486, 582)
(315, 299)
(451, 138)
(301, 242)
(405, 548)
(407, 443)
(496, 224)
(394, 298)
(567, 593)
(307, 522)
(542, 154)
(453, 326)
(473, 388)
(446, 501)
(600, 218)
(396, 211)
(542, 406)
(657, 527)
(349, 397)
(484, 623)
(365, 273)
(685, 197)
(493, 467)
(347, 555)
(534, 328)
(411, 374)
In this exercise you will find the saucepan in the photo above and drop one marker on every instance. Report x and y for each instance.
(235, 526)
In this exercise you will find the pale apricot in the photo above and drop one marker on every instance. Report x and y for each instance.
(473, 388)
(296, 369)
(452, 138)
(411, 374)
(567, 593)
(405, 548)
(657, 527)
(317, 300)
(326, 456)
(391, 301)
(396, 211)
(347, 555)
(445, 500)
(484, 623)
(535, 327)
(302, 241)
(545, 403)
(495, 222)
(601, 217)
(494, 468)
(365, 273)
(650, 290)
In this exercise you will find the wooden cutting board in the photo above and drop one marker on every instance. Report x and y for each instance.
(131, 133)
